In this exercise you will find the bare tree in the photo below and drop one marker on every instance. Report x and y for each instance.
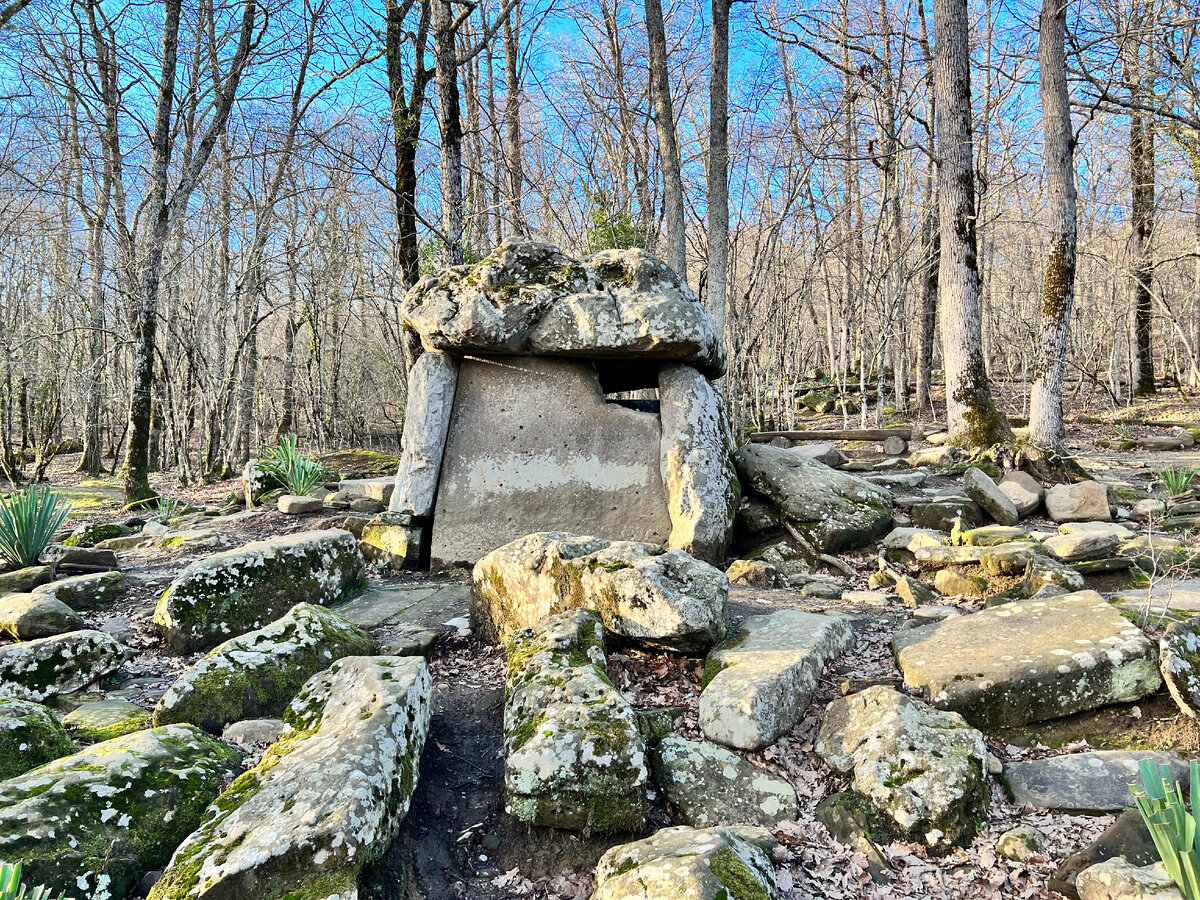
(668, 142)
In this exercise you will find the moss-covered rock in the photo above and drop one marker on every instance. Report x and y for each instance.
(835, 510)
(30, 736)
(664, 599)
(922, 768)
(326, 799)
(27, 617)
(91, 534)
(22, 581)
(103, 720)
(574, 757)
(93, 823)
(35, 670)
(236, 591)
(257, 674)
(85, 593)
(690, 864)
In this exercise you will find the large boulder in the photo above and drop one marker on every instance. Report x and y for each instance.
(690, 864)
(36, 670)
(661, 598)
(697, 464)
(1086, 501)
(1024, 491)
(922, 768)
(1179, 660)
(30, 736)
(103, 720)
(573, 755)
(236, 591)
(325, 800)
(26, 617)
(431, 384)
(1116, 879)
(834, 509)
(758, 683)
(534, 445)
(1030, 660)
(534, 299)
(93, 823)
(22, 581)
(256, 675)
(710, 785)
(85, 593)
(995, 502)
(1093, 783)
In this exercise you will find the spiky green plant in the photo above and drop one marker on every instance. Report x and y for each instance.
(28, 520)
(286, 465)
(11, 889)
(1172, 827)
(1177, 480)
(167, 507)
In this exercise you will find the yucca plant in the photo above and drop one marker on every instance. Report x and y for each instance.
(28, 520)
(1177, 480)
(11, 889)
(286, 465)
(167, 507)
(1172, 827)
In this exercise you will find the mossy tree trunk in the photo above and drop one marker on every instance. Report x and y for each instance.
(1058, 293)
(973, 418)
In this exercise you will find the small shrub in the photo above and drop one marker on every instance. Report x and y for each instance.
(11, 889)
(1172, 827)
(167, 507)
(284, 464)
(1177, 480)
(28, 520)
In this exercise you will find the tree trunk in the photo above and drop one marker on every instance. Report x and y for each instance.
(449, 118)
(718, 168)
(512, 119)
(973, 418)
(1058, 294)
(668, 143)
(930, 237)
(1141, 169)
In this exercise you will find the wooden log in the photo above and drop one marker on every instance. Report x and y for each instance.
(851, 434)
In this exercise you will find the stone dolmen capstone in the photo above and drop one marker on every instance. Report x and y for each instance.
(327, 798)
(660, 598)
(1030, 660)
(235, 591)
(758, 683)
(573, 755)
(93, 823)
(921, 768)
(256, 675)
(508, 426)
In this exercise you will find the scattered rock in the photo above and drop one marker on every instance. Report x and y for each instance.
(1145, 510)
(913, 592)
(251, 733)
(1103, 529)
(824, 453)
(938, 457)
(660, 598)
(22, 581)
(1045, 571)
(1030, 660)
(103, 720)
(1081, 546)
(326, 799)
(431, 385)
(753, 573)
(1179, 660)
(366, 505)
(26, 617)
(758, 683)
(994, 535)
(79, 560)
(1128, 837)
(85, 593)
(393, 539)
(1023, 490)
(690, 864)
(1008, 559)
(574, 757)
(92, 533)
(835, 510)
(256, 675)
(921, 767)
(106, 815)
(851, 820)
(1086, 501)
(697, 465)
(944, 515)
(35, 670)
(957, 583)
(236, 591)
(1021, 844)
(192, 538)
(293, 505)
(409, 640)
(710, 785)
(30, 736)
(1092, 783)
(997, 504)
(1115, 879)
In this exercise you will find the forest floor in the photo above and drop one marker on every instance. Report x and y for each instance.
(458, 843)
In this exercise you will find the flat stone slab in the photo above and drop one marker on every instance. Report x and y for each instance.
(1092, 783)
(533, 446)
(1030, 660)
(427, 605)
(1180, 597)
(103, 720)
(758, 683)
